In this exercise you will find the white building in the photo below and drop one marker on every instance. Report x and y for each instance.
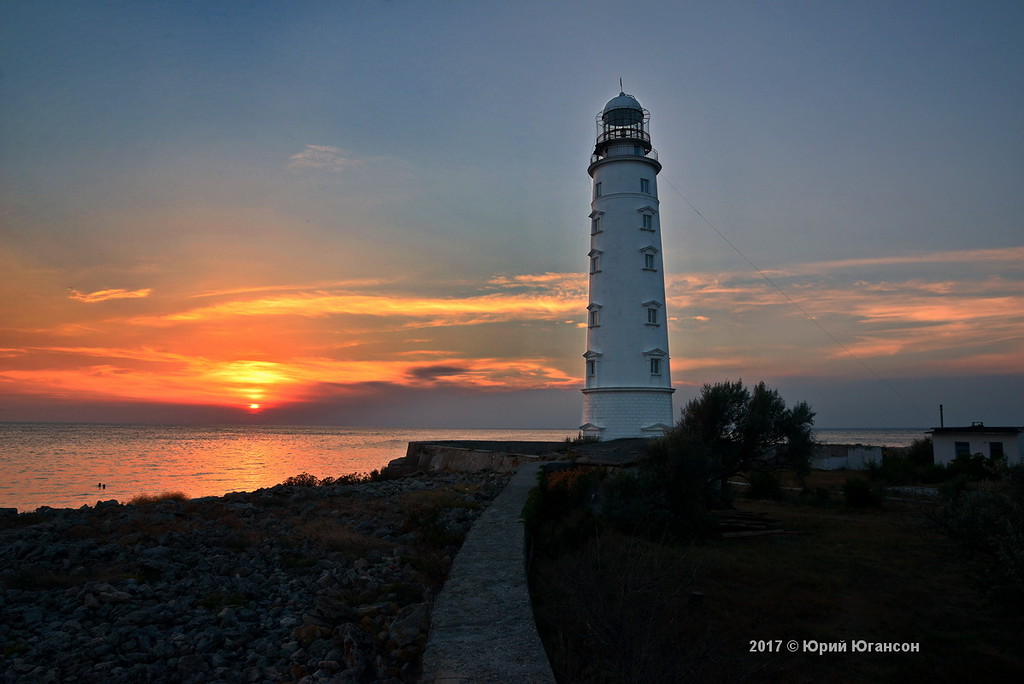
(628, 391)
(991, 442)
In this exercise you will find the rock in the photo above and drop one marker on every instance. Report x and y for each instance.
(223, 589)
(410, 624)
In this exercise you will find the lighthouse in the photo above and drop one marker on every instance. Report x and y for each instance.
(628, 388)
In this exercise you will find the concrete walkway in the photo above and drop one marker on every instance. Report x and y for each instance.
(482, 627)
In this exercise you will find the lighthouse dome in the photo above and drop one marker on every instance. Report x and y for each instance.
(623, 110)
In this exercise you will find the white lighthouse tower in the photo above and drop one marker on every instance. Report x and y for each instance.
(628, 391)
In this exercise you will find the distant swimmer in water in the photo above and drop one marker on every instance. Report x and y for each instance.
(100, 485)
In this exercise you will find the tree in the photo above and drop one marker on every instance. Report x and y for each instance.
(745, 430)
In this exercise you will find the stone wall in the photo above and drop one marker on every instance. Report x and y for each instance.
(432, 456)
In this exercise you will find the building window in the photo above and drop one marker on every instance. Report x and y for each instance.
(648, 222)
(645, 185)
(995, 450)
(649, 261)
(961, 449)
(591, 368)
(655, 363)
(652, 316)
(597, 189)
(595, 225)
(595, 263)
(594, 319)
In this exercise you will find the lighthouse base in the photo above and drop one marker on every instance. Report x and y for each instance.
(617, 412)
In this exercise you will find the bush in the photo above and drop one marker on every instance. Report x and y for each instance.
(978, 467)
(952, 488)
(747, 429)
(908, 465)
(635, 502)
(921, 452)
(306, 480)
(818, 496)
(764, 485)
(858, 493)
(150, 499)
(557, 492)
(987, 528)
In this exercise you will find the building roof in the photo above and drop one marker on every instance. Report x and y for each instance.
(977, 428)
(623, 101)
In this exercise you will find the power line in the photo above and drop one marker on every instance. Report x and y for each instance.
(793, 302)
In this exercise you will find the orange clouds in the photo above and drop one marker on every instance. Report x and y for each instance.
(412, 310)
(104, 295)
(951, 313)
(245, 349)
(950, 308)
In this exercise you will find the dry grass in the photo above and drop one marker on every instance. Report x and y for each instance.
(330, 535)
(150, 499)
(880, 576)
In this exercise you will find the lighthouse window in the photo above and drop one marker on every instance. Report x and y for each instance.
(652, 316)
(649, 261)
(591, 368)
(597, 189)
(595, 225)
(645, 185)
(655, 366)
(595, 318)
(648, 222)
(595, 263)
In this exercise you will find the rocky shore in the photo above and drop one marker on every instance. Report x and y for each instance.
(330, 582)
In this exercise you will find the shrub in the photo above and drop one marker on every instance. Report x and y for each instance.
(818, 495)
(557, 492)
(747, 429)
(150, 499)
(908, 465)
(764, 485)
(987, 528)
(304, 479)
(921, 452)
(858, 493)
(978, 467)
(581, 438)
(672, 494)
(634, 501)
(952, 488)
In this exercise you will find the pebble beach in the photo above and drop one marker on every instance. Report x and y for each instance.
(332, 583)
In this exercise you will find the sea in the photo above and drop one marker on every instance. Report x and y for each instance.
(64, 465)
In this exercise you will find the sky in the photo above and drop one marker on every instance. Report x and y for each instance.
(376, 213)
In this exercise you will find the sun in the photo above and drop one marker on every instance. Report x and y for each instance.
(254, 407)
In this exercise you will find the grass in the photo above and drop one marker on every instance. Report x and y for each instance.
(151, 499)
(876, 574)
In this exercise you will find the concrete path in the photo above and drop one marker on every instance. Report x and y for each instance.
(482, 627)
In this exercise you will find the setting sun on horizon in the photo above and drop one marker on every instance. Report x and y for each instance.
(214, 220)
